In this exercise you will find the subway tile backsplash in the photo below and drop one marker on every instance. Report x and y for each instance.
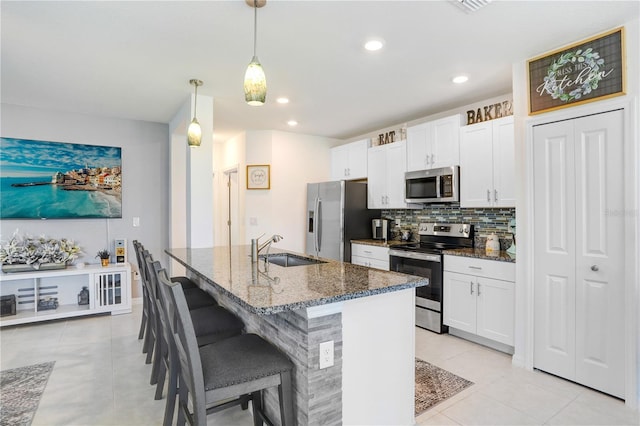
(486, 221)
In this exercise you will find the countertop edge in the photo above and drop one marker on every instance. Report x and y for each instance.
(417, 282)
(478, 253)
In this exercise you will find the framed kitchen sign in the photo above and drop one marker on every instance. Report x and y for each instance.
(258, 176)
(589, 70)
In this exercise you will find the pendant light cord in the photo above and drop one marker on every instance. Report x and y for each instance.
(255, 26)
(195, 102)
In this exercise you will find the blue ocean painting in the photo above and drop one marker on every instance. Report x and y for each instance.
(56, 180)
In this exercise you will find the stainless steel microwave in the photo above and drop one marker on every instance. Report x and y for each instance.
(433, 185)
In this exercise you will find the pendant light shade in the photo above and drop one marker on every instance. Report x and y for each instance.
(255, 81)
(255, 84)
(194, 132)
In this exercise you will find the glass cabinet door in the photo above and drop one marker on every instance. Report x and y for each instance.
(109, 289)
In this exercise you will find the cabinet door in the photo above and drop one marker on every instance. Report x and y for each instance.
(445, 142)
(495, 310)
(459, 310)
(339, 162)
(396, 167)
(418, 147)
(377, 177)
(504, 176)
(111, 289)
(358, 260)
(357, 165)
(476, 165)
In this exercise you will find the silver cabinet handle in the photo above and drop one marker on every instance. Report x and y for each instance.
(432, 160)
(488, 196)
(471, 287)
(475, 267)
(478, 289)
(495, 195)
(594, 268)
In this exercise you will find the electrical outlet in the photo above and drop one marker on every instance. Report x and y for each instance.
(326, 354)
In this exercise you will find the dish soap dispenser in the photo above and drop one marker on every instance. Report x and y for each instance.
(493, 245)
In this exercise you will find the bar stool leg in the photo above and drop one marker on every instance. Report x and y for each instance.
(285, 393)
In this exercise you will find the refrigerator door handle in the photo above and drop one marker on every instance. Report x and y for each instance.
(319, 226)
(315, 229)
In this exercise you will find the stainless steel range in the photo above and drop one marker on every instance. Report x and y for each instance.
(424, 259)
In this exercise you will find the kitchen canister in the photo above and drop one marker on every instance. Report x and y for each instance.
(493, 245)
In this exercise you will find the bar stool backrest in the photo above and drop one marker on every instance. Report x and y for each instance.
(186, 346)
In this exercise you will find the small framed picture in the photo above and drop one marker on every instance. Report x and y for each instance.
(258, 176)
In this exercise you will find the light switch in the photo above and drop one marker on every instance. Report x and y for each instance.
(136, 222)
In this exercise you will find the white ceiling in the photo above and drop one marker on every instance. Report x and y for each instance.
(134, 59)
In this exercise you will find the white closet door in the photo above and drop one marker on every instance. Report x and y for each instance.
(554, 240)
(600, 252)
(579, 252)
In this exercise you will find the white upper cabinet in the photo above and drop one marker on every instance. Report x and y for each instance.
(350, 161)
(487, 172)
(386, 167)
(434, 144)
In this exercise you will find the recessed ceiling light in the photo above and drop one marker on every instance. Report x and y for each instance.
(373, 45)
(459, 79)
(292, 123)
(282, 100)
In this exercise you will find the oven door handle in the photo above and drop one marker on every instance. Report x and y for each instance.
(414, 255)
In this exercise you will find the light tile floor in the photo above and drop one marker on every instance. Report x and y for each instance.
(100, 378)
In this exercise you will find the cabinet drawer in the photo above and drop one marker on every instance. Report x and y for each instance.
(373, 252)
(505, 271)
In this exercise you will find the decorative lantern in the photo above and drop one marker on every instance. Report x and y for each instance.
(83, 296)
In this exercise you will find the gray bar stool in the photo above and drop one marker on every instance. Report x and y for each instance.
(232, 368)
(211, 324)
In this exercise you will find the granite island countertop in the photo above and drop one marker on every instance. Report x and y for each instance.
(480, 253)
(279, 289)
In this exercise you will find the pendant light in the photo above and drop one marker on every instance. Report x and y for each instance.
(194, 133)
(255, 82)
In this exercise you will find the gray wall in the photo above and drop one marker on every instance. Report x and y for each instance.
(145, 174)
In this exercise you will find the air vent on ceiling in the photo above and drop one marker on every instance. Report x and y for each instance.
(471, 5)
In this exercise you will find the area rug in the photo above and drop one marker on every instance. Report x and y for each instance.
(20, 392)
(434, 385)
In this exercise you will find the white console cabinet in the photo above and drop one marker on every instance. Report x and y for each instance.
(109, 291)
(371, 256)
(479, 297)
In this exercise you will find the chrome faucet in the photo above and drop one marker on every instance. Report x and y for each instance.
(256, 247)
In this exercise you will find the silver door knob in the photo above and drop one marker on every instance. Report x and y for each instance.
(594, 268)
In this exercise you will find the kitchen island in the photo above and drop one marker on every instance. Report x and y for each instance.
(368, 314)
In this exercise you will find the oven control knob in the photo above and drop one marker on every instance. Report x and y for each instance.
(461, 230)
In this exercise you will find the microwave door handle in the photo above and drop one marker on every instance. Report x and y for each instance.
(438, 186)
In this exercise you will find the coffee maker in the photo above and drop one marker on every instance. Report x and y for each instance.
(381, 229)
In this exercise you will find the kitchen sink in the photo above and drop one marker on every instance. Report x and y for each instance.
(288, 259)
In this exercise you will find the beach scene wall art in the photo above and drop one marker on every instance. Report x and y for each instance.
(57, 180)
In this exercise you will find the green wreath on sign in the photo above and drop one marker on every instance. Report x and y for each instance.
(587, 57)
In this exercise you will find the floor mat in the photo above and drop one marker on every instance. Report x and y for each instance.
(434, 385)
(20, 392)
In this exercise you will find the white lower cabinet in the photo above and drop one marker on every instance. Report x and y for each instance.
(479, 297)
(55, 294)
(371, 256)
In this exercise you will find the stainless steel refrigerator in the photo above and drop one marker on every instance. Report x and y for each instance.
(336, 214)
